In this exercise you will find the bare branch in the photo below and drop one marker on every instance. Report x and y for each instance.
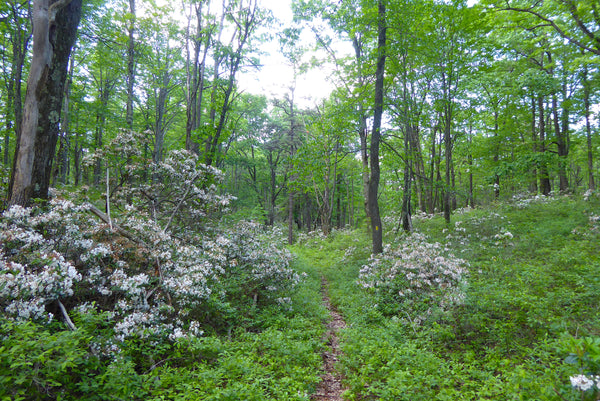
(68, 320)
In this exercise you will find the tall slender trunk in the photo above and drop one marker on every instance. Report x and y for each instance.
(130, 65)
(562, 147)
(105, 89)
(376, 229)
(588, 128)
(496, 152)
(195, 75)
(470, 197)
(20, 43)
(406, 214)
(544, 175)
(362, 126)
(533, 186)
(65, 143)
(292, 176)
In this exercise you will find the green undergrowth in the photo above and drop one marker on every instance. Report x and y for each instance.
(277, 358)
(529, 320)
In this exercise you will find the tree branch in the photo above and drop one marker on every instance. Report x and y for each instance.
(68, 320)
(558, 29)
(94, 210)
(55, 8)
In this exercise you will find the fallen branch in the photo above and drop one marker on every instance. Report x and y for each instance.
(115, 227)
(68, 320)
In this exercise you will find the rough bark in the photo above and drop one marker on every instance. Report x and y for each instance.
(21, 188)
(54, 32)
(63, 34)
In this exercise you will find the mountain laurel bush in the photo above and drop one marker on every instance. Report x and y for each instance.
(156, 270)
(414, 278)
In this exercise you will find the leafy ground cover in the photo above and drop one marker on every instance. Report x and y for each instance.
(526, 327)
(279, 359)
(501, 305)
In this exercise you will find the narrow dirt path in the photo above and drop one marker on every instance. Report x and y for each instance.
(330, 389)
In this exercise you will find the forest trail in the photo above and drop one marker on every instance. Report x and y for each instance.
(330, 389)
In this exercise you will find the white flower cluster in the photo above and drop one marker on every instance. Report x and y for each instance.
(260, 259)
(590, 194)
(152, 282)
(163, 275)
(585, 383)
(490, 229)
(416, 271)
(25, 290)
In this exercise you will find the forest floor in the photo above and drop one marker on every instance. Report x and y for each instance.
(330, 388)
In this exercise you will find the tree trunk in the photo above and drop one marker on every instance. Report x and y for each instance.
(448, 157)
(376, 229)
(20, 42)
(55, 28)
(195, 70)
(63, 34)
(544, 176)
(362, 126)
(292, 178)
(130, 65)
(562, 147)
(588, 128)
(105, 89)
(161, 106)
(406, 196)
(533, 186)
(65, 143)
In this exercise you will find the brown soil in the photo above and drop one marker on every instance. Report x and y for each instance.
(330, 388)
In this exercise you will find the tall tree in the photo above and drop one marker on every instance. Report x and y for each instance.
(376, 229)
(17, 16)
(55, 26)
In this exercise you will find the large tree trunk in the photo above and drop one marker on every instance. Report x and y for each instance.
(376, 229)
(63, 34)
(54, 32)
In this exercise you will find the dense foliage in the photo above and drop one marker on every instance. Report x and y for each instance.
(145, 187)
(526, 327)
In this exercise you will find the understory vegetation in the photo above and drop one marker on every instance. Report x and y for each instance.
(500, 305)
(524, 325)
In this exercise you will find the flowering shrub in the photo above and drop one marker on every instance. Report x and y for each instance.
(584, 356)
(155, 274)
(415, 278)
